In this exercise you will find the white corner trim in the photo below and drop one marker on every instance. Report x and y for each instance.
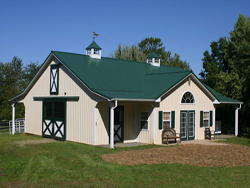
(94, 126)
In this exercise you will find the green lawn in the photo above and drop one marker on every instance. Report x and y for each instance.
(67, 164)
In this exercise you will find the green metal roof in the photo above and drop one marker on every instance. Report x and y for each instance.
(153, 55)
(113, 78)
(221, 98)
(125, 80)
(93, 45)
(121, 79)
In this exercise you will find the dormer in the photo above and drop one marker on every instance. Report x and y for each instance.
(94, 51)
(154, 59)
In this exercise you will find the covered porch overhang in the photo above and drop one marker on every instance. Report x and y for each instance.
(237, 106)
(116, 102)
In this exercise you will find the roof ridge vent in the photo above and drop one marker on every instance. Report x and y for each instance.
(94, 51)
(154, 59)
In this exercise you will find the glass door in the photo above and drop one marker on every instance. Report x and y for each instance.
(187, 126)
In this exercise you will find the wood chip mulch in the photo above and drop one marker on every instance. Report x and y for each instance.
(192, 154)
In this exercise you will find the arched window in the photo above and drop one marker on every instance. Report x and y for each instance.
(187, 98)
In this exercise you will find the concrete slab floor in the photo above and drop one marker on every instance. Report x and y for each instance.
(122, 145)
(202, 142)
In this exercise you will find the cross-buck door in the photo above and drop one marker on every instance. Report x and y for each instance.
(54, 115)
(119, 124)
(187, 126)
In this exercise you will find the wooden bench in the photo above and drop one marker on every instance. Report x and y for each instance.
(169, 134)
(208, 134)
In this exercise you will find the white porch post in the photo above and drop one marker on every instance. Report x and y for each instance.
(236, 121)
(111, 131)
(136, 122)
(153, 125)
(111, 137)
(13, 118)
(214, 115)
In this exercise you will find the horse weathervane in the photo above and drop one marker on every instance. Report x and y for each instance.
(95, 35)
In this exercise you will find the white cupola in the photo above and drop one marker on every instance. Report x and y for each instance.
(94, 51)
(154, 59)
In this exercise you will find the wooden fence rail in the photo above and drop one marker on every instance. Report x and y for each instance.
(4, 124)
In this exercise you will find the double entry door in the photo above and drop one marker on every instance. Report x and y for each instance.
(187, 125)
(54, 116)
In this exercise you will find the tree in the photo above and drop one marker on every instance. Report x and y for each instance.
(177, 62)
(215, 62)
(14, 78)
(29, 71)
(151, 44)
(144, 48)
(227, 68)
(129, 53)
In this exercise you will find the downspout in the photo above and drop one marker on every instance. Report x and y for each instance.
(236, 120)
(239, 107)
(112, 123)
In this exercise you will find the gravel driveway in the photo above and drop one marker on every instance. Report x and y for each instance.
(228, 155)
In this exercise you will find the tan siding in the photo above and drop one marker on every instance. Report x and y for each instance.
(102, 123)
(80, 118)
(80, 114)
(145, 136)
(129, 123)
(33, 109)
(172, 102)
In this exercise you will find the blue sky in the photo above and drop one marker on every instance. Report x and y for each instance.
(31, 29)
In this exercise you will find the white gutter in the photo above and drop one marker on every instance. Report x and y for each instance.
(231, 102)
(140, 100)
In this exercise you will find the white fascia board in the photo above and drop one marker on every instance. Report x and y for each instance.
(216, 102)
(81, 81)
(173, 87)
(34, 78)
(139, 100)
(158, 100)
(205, 89)
(41, 70)
(199, 83)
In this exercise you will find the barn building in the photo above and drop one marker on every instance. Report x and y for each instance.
(87, 98)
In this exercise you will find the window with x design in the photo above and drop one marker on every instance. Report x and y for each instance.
(54, 78)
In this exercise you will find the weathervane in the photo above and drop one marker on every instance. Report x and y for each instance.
(95, 35)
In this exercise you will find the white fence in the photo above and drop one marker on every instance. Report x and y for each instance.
(19, 126)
